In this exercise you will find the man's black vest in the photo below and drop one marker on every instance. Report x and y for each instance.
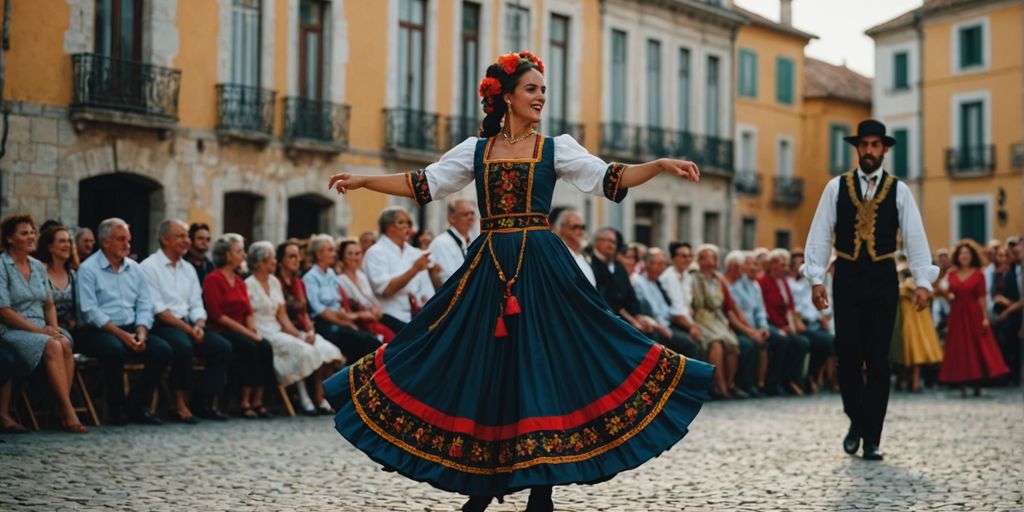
(866, 230)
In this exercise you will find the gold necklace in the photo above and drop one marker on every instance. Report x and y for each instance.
(513, 140)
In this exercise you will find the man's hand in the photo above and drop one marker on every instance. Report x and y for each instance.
(198, 333)
(921, 296)
(695, 333)
(819, 296)
(422, 262)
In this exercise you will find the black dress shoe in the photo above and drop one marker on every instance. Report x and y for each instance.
(144, 417)
(871, 452)
(852, 441)
(476, 504)
(540, 500)
(211, 414)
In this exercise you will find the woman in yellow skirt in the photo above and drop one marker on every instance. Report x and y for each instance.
(920, 342)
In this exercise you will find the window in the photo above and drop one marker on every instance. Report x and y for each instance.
(712, 227)
(900, 80)
(748, 233)
(839, 150)
(311, 49)
(619, 71)
(971, 46)
(412, 29)
(748, 151)
(784, 80)
(783, 238)
(119, 29)
(470, 55)
(646, 220)
(683, 230)
(973, 221)
(784, 158)
(517, 24)
(900, 165)
(653, 83)
(972, 133)
(245, 45)
(558, 61)
(712, 117)
(748, 73)
(683, 91)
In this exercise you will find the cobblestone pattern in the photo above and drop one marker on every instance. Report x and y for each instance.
(942, 453)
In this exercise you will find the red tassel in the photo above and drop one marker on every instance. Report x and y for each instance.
(512, 306)
(499, 330)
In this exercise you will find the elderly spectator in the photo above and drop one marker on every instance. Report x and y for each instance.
(57, 252)
(639, 253)
(676, 283)
(422, 239)
(117, 313)
(650, 293)
(612, 278)
(1005, 297)
(448, 249)
(714, 312)
(85, 243)
(323, 289)
(357, 296)
(199, 245)
(366, 240)
(231, 316)
(180, 320)
(571, 229)
(761, 258)
(741, 273)
(297, 354)
(395, 270)
(782, 318)
(28, 320)
(816, 323)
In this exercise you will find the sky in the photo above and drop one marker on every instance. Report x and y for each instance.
(839, 25)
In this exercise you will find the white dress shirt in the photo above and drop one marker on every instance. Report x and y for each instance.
(447, 252)
(385, 261)
(173, 287)
(581, 261)
(679, 291)
(360, 293)
(915, 242)
(802, 300)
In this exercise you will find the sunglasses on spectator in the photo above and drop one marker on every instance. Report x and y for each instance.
(576, 227)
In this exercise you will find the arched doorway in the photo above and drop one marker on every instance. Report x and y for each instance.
(308, 214)
(136, 199)
(243, 214)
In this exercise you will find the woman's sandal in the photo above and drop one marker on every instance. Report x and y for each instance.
(262, 412)
(13, 428)
(249, 413)
(74, 428)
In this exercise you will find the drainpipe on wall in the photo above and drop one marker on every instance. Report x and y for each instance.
(918, 26)
(5, 32)
(730, 195)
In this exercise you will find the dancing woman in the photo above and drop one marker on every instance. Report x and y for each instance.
(516, 374)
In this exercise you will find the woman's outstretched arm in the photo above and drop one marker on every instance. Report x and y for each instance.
(392, 184)
(639, 174)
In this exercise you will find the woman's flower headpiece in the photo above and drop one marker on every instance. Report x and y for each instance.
(490, 87)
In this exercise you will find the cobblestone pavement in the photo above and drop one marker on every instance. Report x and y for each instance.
(943, 452)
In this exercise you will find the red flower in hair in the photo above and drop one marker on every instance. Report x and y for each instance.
(534, 59)
(509, 63)
(490, 86)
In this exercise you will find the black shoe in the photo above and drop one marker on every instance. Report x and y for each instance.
(262, 412)
(753, 392)
(188, 420)
(117, 418)
(871, 452)
(476, 504)
(211, 414)
(144, 417)
(540, 500)
(852, 441)
(738, 394)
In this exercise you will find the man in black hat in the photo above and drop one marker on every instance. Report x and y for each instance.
(859, 214)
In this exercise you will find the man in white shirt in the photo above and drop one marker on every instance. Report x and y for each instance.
(816, 322)
(571, 229)
(864, 209)
(397, 271)
(180, 319)
(675, 280)
(651, 293)
(449, 247)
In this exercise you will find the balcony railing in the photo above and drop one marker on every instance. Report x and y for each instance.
(971, 161)
(638, 143)
(315, 124)
(747, 183)
(244, 110)
(413, 130)
(117, 86)
(1017, 156)
(461, 128)
(789, 191)
(556, 127)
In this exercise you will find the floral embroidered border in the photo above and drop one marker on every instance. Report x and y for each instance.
(471, 455)
(612, 180)
(417, 181)
(514, 221)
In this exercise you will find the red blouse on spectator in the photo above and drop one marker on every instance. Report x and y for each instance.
(296, 303)
(775, 303)
(223, 299)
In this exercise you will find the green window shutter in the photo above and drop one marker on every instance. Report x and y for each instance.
(784, 80)
(972, 222)
(900, 80)
(839, 150)
(748, 74)
(900, 151)
(970, 46)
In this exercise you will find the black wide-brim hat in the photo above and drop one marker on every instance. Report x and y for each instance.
(871, 127)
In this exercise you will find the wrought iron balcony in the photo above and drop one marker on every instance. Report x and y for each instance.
(789, 191)
(716, 153)
(461, 128)
(112, 90)
(622, 141)
(1017, 156)
(245, 112)
(556, 127)
(972, 161)
(747, 183)
(634, 143)
(315, 125)
(413, 131)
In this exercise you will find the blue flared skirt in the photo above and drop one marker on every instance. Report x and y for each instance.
(572, 394)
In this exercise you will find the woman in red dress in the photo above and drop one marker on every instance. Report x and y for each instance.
(972, 354)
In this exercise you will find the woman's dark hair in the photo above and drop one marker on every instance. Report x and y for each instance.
(419, 235)
(975, 255)
(344, 245)
(281, 248)
(491, 125)
(46, 239)
(10, 224)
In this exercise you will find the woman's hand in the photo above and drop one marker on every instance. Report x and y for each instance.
(345, 181)
(683, 168)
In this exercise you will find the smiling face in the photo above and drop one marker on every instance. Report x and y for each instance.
(528, 98)
(60, 247)
(353, 257)
(24, 238)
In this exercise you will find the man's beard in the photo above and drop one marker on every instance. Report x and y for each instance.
(869, 164)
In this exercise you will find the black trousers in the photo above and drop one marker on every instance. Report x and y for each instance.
(7, 365)
(254, 360)
(865, 297)
(789, 359)
(746, 371)
(113, 355)
(821, 346)
(680, 342)
(1009, 338)
(392, 323)
(778, 346)
(215, 351)
(354, 344)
